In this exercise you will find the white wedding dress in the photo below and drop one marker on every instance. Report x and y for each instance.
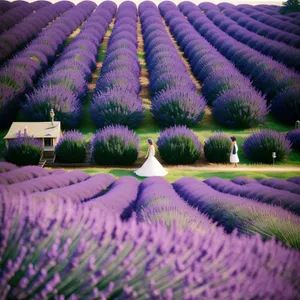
(151, 167)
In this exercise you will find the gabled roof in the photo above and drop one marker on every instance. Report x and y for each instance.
(36, 129)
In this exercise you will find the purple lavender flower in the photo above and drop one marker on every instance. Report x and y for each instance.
(172, 257)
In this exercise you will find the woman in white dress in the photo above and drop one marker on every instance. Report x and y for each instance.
(234, 159)
(151, 167)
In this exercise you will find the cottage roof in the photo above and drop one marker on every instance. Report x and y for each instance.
(36, 129)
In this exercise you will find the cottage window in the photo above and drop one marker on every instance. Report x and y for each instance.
(48, 142)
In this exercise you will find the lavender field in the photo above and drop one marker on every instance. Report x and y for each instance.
(188, 76)
(212, 239)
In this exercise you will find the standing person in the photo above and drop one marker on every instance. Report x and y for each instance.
(234, 159)
(151, 167)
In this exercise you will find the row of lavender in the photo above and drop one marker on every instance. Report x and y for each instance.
(173, 93)
(278, 83)
(17, 14)
(135, 258)
(6, 5)
(20, 73)
(116, 99)
(64, 86)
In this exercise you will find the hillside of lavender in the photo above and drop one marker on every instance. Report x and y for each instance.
(69, 235)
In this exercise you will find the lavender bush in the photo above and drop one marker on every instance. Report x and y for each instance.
(179, 145)
(117, 106)
(71, 148)
(294, 137)
(238, 108)
(64, 102)
(217, 148)
(259, 146)
(286, 105)
(115, 145)
(178, 106)
(23, 150)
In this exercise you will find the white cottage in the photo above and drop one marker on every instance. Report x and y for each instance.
(48, 132)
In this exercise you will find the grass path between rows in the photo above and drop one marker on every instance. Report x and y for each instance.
(203, 173)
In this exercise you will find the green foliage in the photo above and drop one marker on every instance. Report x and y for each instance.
(290, 6)
(179, 150)
(217, 148)
(71, 151)
(113, 151)
(23, 155)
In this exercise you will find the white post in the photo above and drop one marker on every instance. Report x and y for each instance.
(274, 156)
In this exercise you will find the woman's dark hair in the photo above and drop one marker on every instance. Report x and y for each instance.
(150, 141)
(233, 138)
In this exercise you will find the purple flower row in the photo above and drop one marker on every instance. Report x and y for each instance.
(286, 27)
(41, 184)
(158, 203)
(6, 6)
(85, 190)
(277, 50)
(118, 199)
(6, 166)
(259, 192)
(275, 14)
(262, 29)
(64, 86)
(22, 174)
(280, 84)
(17, 14)
(21, 71)
(235, 212)
(222, 85)
(24, 31)
(175, 100)
(47, 245)
(116, 99)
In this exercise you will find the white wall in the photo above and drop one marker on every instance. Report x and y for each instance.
(252, 2)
